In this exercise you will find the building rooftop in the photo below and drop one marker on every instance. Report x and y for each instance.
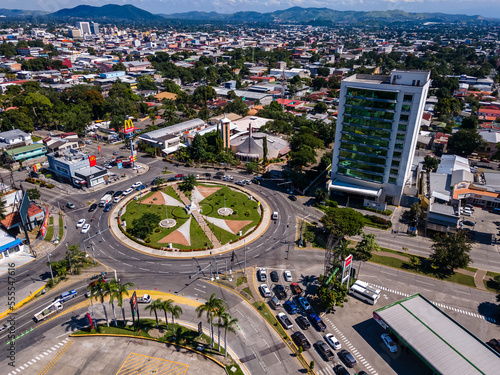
(435, 337)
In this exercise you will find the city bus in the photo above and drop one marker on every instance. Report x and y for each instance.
(365, 292)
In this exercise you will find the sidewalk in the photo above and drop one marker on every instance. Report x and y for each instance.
(119, 236)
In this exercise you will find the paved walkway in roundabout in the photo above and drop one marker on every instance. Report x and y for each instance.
(257, 233)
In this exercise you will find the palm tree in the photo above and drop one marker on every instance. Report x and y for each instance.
(218, 314)
(109, 290)
(176, 311)
(120, 290)
(167, 307)
(155, 306)
(97, 292)
(209, 308)
(228, 324)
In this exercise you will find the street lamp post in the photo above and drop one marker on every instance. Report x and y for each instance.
(93, 254)
(50, 266)
(69, 258)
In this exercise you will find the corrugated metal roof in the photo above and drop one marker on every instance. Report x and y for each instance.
(442, 342)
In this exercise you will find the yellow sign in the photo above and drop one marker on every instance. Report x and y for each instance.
(129, 126)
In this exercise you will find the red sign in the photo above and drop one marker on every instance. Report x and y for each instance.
(99, 148)
(45, 224)
(92, 160)
(131, 158)
(348, 260)
(90, 321)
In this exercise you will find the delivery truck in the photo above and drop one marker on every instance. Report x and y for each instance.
(49, 310)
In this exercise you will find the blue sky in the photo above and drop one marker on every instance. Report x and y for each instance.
(486, 8)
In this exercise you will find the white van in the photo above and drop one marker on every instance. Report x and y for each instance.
(275, 215)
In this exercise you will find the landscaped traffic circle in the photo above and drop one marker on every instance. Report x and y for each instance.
(210, 216)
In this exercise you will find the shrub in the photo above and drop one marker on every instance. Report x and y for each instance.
(147, 240)
(331, 203)
(48, 175)
(157, 230)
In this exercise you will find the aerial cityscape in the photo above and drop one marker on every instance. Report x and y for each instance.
(250, 188)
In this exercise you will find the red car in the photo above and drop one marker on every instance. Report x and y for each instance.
(484, 160)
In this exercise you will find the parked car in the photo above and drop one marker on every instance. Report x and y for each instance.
(117, 194)
(341, 370)
(80, 223)
(484, 160)
(264, 289)
(296, 289)
(70, 205)
(332, 341)
(141, 187)
(287, 275)
(274, 277)
(85, 228)
(302, 322)
(285, 320)
(107, 207)
(92, 207)
(280, 291)
(317, 322)
(290, 307)
(293, 198)
(117, 199)
(347, 358)
(300, 340)
(261, 274)
(136, 184)
(324, 350)
(304, 303)
(391, 345)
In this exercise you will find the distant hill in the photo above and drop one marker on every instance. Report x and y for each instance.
(308, 15)
(110, 12)
(18, 13)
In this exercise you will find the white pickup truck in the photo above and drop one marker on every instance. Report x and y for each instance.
(49, 310)
(144, 299)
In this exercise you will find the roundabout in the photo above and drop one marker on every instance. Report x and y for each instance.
(212, 218)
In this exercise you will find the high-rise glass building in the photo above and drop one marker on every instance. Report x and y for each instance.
(377, 128)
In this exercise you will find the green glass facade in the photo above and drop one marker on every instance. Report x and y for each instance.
(366, 133)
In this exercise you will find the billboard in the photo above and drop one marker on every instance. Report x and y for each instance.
(45, 224)
(129, 127)
(92, 160)
(23, 209)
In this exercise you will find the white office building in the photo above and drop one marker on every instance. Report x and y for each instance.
(84, 28)
(377, 129)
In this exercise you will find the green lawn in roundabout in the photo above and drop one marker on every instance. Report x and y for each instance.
(243, 209)
(135, 210)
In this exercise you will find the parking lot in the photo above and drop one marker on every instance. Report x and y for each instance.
(352, 325)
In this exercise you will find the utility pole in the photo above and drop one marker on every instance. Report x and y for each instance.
(50, 266)
(69, 258)
(93, 254)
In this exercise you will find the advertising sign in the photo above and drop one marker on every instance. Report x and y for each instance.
(379, 320)
(90, 321)
(129, 127)
(119, 165)
(45, 224)
(92, 160)
(348, 260)
(99, 149)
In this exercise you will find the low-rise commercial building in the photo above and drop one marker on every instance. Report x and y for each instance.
(72, 166)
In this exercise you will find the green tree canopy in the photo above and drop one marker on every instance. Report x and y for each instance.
(464, 142)
(320, 107)
(431, 163)
(188, 183)
(364, 248)
(451, 251)
(143, 226)
(470, 122)
(343, 221)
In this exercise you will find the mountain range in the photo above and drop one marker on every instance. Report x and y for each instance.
(132, 14)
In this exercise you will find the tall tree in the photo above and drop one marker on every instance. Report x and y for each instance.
(431, 163)
(209, 308)
(365, 247)
(464, 142)
(110, 291)
(176, 312)
(343, 221)
(167, 306)
(119, 291)
(228, 323)
(451, 251)
(155, 306)
(97, 292)
(219, 313)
